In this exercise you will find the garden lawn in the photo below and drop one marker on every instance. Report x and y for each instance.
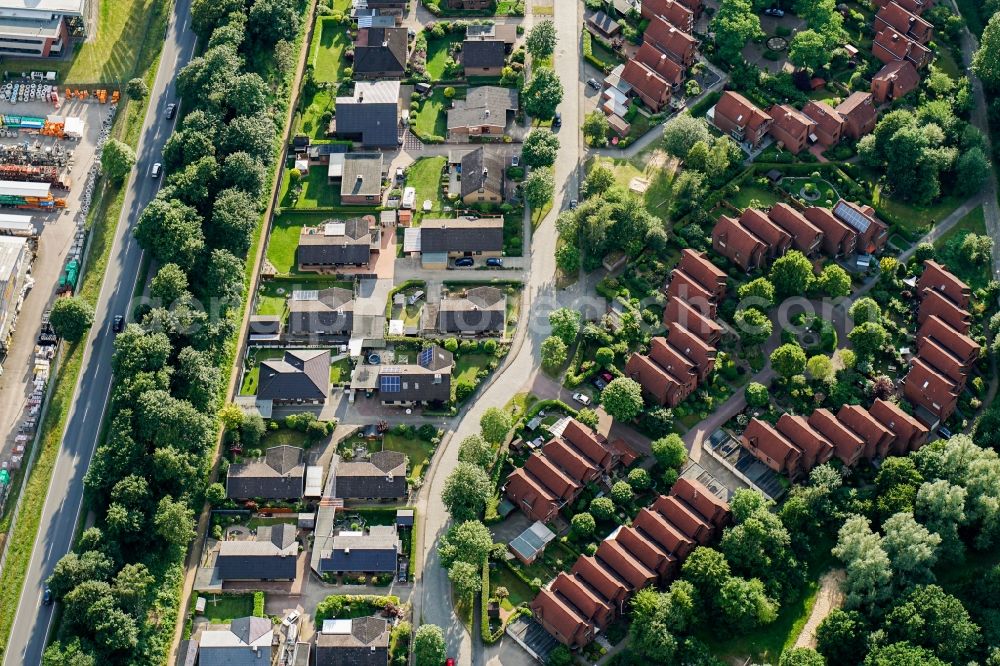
(417, 450)
(317, 192)
(432, 118)
(331, 41)
(311, 122)
(284, 240)
(520, 592)
(250, 378)
(425, 176)
(794, 186)
(973, 223)
(340, 371)
(604, 55)
(221, 608)
(437, 53)
(648, 165)
(467, 366)
(272, 294)
(913, 219)
(748, 193)
(410, 314)
(284, 437)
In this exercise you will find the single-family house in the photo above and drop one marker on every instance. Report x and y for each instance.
(381, 477)
(482, 177)
(485, 111)
(271, 555)
(300, 377)
(483, 57)
(685, 286)
(479, 311)
(699, 352)
(441, 239)
(361, 179)
(956, 342)
(336, 244)
(323, 312)
(245, 640)
(361, 641)
(829, 124)
(859, 114)
(673, 41)
(709, 505)
(380, 53)
(895, 81)
(791, 128)
(647, 85)
(371, 115)
(375, 550)
(677, 511)
(428, 381)
(740, 118)
(279, 475)
(707, 274)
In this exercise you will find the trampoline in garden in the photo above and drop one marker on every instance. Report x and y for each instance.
(374, 359)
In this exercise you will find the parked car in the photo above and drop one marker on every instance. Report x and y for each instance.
(593, 83)
(155, 171)
(414, 297)
(494, 262)
(47, 597)
(118, 325)
(465, 262)
(515, 161)
(582, 398)
(171, 110)
(557, 120)
(599, 383)
(291, 618)
(774, 11)
(450, 661)
(944, 432)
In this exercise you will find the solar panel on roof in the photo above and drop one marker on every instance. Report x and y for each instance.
(852, 216)
(389, 384)
(425, 357)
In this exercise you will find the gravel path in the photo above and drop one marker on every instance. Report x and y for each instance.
(830, 596)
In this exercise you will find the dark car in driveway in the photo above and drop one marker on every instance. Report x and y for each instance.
(494, 262)
(465, 262)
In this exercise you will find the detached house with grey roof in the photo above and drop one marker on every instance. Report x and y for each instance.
(381, 477)
(482, 177)
(380, 53)
(360, 179)
(479, 311)
(428, 381)
(442, 239)
(483, 57)
(362, 641)
(302, 376)
(375, 551)
(270, 556)
(337, 244)
(322, 312)
(279, 475)
(485, 111)
(370, 116)
(245, 641)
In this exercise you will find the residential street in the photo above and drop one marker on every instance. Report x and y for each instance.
(433, 604)
(64, 499)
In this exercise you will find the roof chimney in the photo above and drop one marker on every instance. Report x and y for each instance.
(361, 178)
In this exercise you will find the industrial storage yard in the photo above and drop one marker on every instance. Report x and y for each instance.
(47, 151)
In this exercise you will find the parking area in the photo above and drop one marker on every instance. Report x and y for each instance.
(57, 230)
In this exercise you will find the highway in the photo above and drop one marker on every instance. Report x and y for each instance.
(63, 502)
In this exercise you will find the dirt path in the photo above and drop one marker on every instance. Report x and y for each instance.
(830, 596)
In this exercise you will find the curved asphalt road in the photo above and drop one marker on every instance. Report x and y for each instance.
(63, 502)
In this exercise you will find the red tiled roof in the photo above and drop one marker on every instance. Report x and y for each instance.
(646, 551)
(652, 87)
(613, 588)
(926, 386)
(824, 115)
(910, 433)
(661, 63)
(671, 39)
(806, 236)
(877, 437)
(778, 240)
(673, 11)
(555, 479)
(588, 443)
(938, 277)
(737, 243)
(934, 303)
(587, 602)
(684, 285)
(890, 45)
(561, 619)
(693, 347)
(677, 310)
(815, 446)
(957, 343)
(664, 387)
(577, 466)
(741, 111)
(664, 532)
(858, 107)
(672, 360)
(678, 512)
(836, 233)
(710, 276)
(897, 18)
(942, 360)
(705, 502)
(847, 444)
(531, 495)
(779, 453)
(895, 80)
(790, 120)
(626, 565)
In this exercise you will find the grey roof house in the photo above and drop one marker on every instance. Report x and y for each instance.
(382, 476)
(376, 551)
(427, 381)
(371, 115)
(301, 376)
(245, 641)
(280, 475)
(484, 111)
(361, 179)
(380, 53)
(321, 312)
(362, 641)
(335, 244)
(481, 57)
(462, 237)
(482, 176)
(481, 311)
(271, 556)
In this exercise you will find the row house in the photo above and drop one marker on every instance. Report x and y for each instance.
(894, 16)
(872, 233)
(895, 81)
(650, 87)
(795, 444)
(807, 238)
(678, 362)
(791, 128)
(674, 11)
(917, 7)
(945, 353)
(579, 604)
(740, 118)
(859, 114)
(839, 238)
(555, 476)
(738, 244)
(891, 46)
(658, 61)
(673, 41)
(829, 125)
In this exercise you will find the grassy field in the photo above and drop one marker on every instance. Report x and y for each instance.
(432, 118)
(520, 592)
(330, 42)
(317, 192)
(425, 176)
(649, 166)
(417, 450)
(284, 240)
(312, 122)
(748, 193)
(437, 53)
(112, 56)
(221, 608)
(916, 219)
(948, 244)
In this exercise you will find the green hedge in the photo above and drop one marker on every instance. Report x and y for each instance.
(258, 604)
(548, 404)
(702, 106)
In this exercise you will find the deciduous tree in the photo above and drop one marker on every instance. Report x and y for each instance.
(117, 160)
(466, 491)
(542, 94)
(495, 423)
(540, 148)
(622, 398)
(71, 318)
(541, 40)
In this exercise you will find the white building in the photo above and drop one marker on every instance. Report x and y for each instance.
(40, 28)
(14, 261)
